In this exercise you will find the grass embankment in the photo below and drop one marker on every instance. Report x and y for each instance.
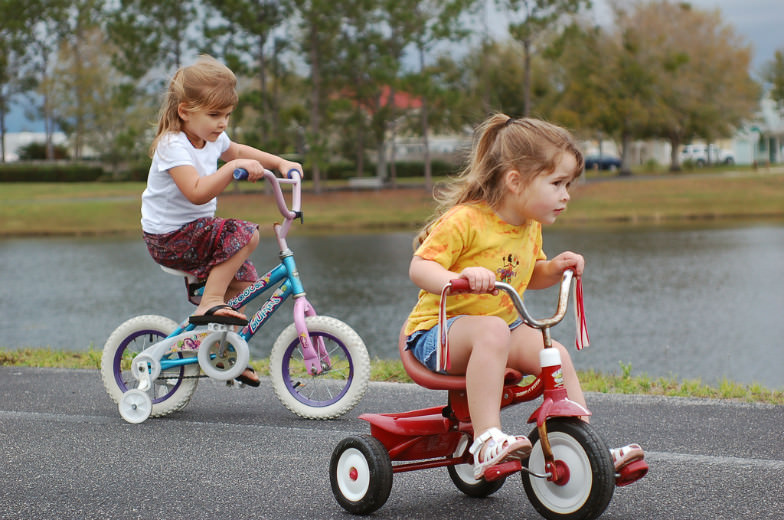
(392, 371)
(44, 209)
(113, 208)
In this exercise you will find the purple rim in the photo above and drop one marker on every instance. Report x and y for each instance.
(301, 398)
(117, 365)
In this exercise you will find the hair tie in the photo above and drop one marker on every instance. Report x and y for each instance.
(509, 121)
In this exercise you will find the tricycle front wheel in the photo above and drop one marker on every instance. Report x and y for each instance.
(588, 486)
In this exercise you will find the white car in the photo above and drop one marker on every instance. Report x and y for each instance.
(698, 154)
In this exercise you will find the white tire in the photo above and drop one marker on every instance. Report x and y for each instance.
(172, 390)
(338, 388)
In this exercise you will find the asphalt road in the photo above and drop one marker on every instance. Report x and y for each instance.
(237, 453)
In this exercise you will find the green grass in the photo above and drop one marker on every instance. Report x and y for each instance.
(42, 209)
(392, 371)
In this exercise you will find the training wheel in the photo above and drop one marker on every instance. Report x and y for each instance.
(223, 355)
(135, 406)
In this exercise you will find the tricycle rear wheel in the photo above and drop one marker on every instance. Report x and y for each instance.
(462, 476)
(360, 473)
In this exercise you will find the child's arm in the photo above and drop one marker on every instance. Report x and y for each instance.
(200, 190)
(548, 272)
(267, 160)
(432, 276)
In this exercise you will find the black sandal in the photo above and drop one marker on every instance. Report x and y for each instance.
(248, 381)
(211, 317)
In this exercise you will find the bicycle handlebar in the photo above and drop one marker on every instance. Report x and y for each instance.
(459, 285)
(294, 177)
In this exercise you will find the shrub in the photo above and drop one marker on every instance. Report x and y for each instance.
(50, 172)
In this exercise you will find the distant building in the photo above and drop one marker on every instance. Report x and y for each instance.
(17, 140)
(761, 141)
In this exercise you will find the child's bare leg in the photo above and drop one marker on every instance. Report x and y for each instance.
(478, 348)
(524, 356)
(220, 278)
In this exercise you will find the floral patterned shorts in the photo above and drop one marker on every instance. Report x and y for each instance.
(200, 245)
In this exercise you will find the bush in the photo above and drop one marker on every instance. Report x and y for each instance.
(37, 151)
(50, 172)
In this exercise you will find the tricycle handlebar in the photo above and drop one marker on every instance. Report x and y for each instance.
(461, 285)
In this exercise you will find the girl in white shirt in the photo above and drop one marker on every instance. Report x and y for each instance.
(178, 206)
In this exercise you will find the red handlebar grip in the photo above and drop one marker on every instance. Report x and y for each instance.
(459, 285)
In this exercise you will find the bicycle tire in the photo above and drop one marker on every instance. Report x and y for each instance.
(333, 392)
(172, 390)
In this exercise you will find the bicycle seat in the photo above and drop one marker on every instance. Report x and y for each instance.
(425, 377)
(177, 272)
(192, 285)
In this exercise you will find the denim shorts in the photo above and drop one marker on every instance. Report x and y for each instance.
(423, 343)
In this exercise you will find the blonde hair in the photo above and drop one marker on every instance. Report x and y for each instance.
(501, 143)
(205, 85)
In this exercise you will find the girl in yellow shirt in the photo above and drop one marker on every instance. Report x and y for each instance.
(488, 228)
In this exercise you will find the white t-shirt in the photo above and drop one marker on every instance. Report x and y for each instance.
(164, 207)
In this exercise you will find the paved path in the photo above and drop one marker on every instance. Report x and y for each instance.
(65, 453)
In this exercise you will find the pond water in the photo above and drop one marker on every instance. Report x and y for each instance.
(702, 303)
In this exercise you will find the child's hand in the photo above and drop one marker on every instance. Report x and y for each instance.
(253, 167)
(568, 260)
(480, 280)
(286, 166)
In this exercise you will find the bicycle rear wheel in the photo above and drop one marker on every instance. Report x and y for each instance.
(338, 388)
(172, 390)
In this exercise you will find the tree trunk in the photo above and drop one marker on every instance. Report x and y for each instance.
(626, 139)
(315, 107)
(425, 130)
(527, 77)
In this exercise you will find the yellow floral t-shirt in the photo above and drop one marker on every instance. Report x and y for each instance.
(471, 235)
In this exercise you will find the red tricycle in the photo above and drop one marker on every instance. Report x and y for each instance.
(569, 473)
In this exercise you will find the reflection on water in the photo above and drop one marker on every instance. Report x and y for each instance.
(696, 303)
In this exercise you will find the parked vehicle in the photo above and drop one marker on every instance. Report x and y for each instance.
(602, 162)
(698, 154)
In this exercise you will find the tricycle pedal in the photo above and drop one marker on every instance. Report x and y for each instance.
(502, 470)
(632, 472)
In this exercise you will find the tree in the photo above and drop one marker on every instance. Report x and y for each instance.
(15, 20)
(538, 17)
(318, 31)
(663, 70)
(774, 75)
(244, 34)
(151, 34)
(77, 78)
(701, 66)
(610, 89)
(433, 22)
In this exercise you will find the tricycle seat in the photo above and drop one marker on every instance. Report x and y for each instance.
(425, 377)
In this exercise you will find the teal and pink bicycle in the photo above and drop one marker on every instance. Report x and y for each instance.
(319, 366)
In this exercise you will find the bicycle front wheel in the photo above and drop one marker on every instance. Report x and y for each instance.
(173, 388)
(338, 388)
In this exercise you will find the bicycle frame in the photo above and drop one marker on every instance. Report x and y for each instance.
(286, 277)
